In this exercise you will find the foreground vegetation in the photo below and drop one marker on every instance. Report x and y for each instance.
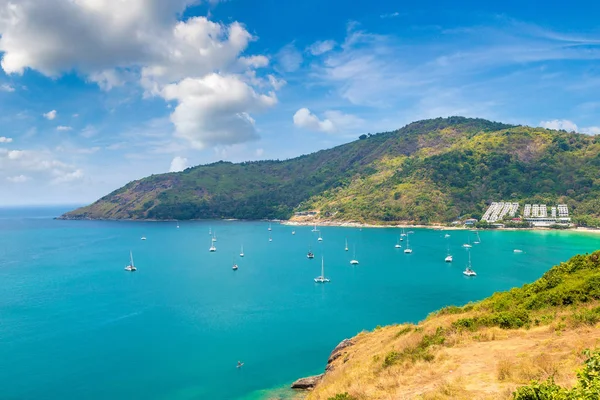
(428, 171)
(524, 344)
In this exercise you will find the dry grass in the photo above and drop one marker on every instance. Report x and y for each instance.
(489, 363)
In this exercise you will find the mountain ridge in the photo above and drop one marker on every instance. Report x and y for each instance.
(428, 171)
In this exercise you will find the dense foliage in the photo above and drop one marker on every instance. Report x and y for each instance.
(428, 171)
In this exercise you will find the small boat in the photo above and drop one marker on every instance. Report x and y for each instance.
(131, 267)
(235, 267)
(293, 232)
(178, 225)
(407, 250)
(320, 239)
(478, 239)
(310, 254)
(411, 232)
(446, 236)
(315, 229)
(239, 364)
(143, 237)
(270, 238)
(517, 251)
(321, 278)
(469, 271)
(212, 248)
(354, 261)
(468, 245)
(242, 251)
(270, 227)
(397, 246)
(448, 258)
(214, 238)
(402, 234)
(346, 248)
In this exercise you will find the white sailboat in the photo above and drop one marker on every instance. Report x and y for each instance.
(212, 248)
(320, 239)
(468, 271)
(293, 232)
(397, 246)
(310, 254)
(270, 238)
(402, 235)
(270, 227)
(131, 267)
(346, 248)
(446, 236)
(178, 225)
(242, 251)
(407, 250)
(468, 245)
(315, 229)
(143, 237)
(478, 239)
(235, 266)
(321, 278)
(448, 258)
(354, 261)
(214, 238)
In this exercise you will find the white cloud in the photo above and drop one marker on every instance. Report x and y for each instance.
(178, 164)
(254, 61)
(61, 176)
(5, 87)
(321, 47)
(214, 110)
(63, 128)
(390, 15)
(50, 115)
(4, 139)
(305, 119)
(259, 152)
(289, 58)
(18, 178)
(37, 163)
(75, 115)
(569, 126)
(276, 82)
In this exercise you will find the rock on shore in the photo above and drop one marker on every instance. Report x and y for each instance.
(307, 383)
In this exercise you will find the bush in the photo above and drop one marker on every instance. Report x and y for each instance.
(342, 396)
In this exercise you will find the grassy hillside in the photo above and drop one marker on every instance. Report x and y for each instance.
(485, 350)
(428, 171)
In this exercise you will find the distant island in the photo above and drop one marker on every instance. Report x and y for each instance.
(429, 172)
(526, 343)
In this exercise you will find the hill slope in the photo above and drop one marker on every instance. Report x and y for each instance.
(428, 171)
(485, 350)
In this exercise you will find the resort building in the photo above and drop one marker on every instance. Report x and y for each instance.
(537, 215)
(498, 210)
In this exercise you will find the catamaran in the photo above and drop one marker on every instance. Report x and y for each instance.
(346, 248)
(407, 250)
(131, 267)
(242, 251)
(321, 278)
(468, 271)
(448, 258)
(354, 261)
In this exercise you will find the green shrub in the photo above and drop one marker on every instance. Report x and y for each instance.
(342, 396)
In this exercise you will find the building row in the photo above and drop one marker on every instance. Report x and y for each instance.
(536, 214)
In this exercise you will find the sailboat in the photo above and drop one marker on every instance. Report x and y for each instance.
(478, 239)
(320, 239)
(346, 248)
(212, 248)
(143, 237)
(178, 225)
(214, 238)
(242, 251)
(270, 239)
(407, 250)
(398, 243)
(448, 258)
(446, 236)
(310, 254)
(468, 271)
(131, 267)
(354, 261)
(402, 235)
(293, 232)
(321, 278)
(468, 245)
(235, 267)
(270, 227)
(315, 229)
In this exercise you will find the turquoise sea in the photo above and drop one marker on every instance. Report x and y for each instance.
(75, 325)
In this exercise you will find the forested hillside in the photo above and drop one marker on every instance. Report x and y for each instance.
(428, 171)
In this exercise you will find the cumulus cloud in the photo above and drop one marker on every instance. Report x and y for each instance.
(559, 124)
(5, 87)
(4, 139)
(63, 128)
(18, 178)
(591, 130)
(321, 47)
(178, 164)
(50, 115)
(38, 163)
(145, 41)
(305, 119)
(214, 110)
(334, 121)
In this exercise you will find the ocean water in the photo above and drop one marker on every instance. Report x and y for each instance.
(75, 325)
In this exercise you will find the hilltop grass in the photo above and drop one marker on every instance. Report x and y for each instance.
(484, 350)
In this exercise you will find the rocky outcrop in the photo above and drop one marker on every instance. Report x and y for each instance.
(307, 383)
(337, 352)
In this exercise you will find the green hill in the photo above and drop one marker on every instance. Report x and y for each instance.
(428, 171)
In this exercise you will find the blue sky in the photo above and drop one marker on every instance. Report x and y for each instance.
(96, 93)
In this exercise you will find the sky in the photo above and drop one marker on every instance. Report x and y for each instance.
(97, 93)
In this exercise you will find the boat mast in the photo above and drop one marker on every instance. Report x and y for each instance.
(322, 267)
